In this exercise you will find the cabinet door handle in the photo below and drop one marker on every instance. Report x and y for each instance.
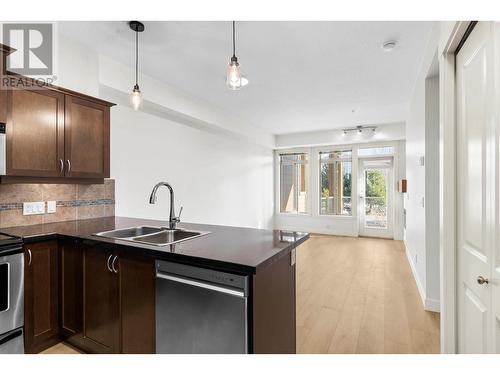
(69, 165)
(61, 164)
(113, 264)
(109, 259)
(30, 257)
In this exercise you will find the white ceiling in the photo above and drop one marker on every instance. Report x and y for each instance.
(303, 75)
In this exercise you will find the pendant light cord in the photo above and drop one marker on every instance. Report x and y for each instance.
(234, 43)
(136, 58)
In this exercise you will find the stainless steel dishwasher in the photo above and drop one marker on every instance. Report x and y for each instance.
(200, 310)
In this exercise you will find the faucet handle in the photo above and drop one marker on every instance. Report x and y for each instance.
(177, 219)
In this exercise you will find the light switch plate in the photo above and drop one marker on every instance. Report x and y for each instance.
(51, 207)
(33, 208)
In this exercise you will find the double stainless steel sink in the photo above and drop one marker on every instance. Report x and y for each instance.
(157, 236)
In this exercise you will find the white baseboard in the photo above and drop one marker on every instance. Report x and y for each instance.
(432, 305)
(429, 304)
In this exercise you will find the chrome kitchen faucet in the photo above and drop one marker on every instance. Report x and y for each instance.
(173, 220)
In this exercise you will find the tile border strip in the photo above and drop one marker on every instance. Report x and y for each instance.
(75, 203)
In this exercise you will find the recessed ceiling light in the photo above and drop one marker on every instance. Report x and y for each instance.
(389, 45)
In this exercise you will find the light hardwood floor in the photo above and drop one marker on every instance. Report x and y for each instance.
(61, 348)
(358, 295)
(355, 295)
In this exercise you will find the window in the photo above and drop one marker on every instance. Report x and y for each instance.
(376, 151)
(293, 177)
(335, 182)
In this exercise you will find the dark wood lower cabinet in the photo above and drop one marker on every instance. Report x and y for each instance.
(274, 320)
(41, 296)
(137, 304)
(101, 298)
(108, 299)
(71, 288)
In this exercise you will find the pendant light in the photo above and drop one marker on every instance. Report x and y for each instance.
(235, 80)
(136, 95)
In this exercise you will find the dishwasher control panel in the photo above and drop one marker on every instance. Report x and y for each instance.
(203, 274)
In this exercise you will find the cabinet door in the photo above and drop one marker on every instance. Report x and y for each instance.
(100, 302)
(86, 138)
(35, 133)
(3, 105)
(274, 321)
(41, 296)
(137, 304)
(71, 288)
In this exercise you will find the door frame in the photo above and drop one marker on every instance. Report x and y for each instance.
(447, 184)
(389, 231)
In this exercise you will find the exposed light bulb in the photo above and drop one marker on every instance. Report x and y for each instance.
(235, 80)
(136, 98)
(344, 132)
(360, 131)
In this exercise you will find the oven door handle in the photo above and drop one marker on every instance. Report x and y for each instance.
(216, 288)
(11, 336)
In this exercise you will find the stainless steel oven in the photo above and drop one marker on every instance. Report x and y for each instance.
(11, 295)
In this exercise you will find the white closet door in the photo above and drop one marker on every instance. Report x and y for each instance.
(475, 187)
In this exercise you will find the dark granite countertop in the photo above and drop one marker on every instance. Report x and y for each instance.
(244, 250)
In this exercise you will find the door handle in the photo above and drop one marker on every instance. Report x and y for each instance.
(200, 284)
(481, 280)
(30, 257)
(109, 259)
(69, 165)
(113, 264)
(61, 165)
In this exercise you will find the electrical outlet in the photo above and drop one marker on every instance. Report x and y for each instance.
(51, 207)
(423, 202)
(33, 208)
(422, 161)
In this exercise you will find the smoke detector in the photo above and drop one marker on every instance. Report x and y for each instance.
(389, 45)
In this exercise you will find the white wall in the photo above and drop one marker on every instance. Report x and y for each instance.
(220, 167)
(432, 189)
(422, 198)
(218, 180)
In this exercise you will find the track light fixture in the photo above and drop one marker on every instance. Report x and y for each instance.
(359, 129)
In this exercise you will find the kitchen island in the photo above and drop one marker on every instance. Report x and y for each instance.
(100, 295)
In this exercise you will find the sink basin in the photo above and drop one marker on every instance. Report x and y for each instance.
(129, 232)
(167, 237)
(156, 236)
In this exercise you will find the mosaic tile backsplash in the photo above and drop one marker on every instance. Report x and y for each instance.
(73, 202)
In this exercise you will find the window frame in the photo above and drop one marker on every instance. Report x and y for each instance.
(336, 148)
(278, 153)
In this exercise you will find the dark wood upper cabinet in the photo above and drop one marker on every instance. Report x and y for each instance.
(41, 296)
(86, 138)
(101, 328)
(35, 133)
(53, 134)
